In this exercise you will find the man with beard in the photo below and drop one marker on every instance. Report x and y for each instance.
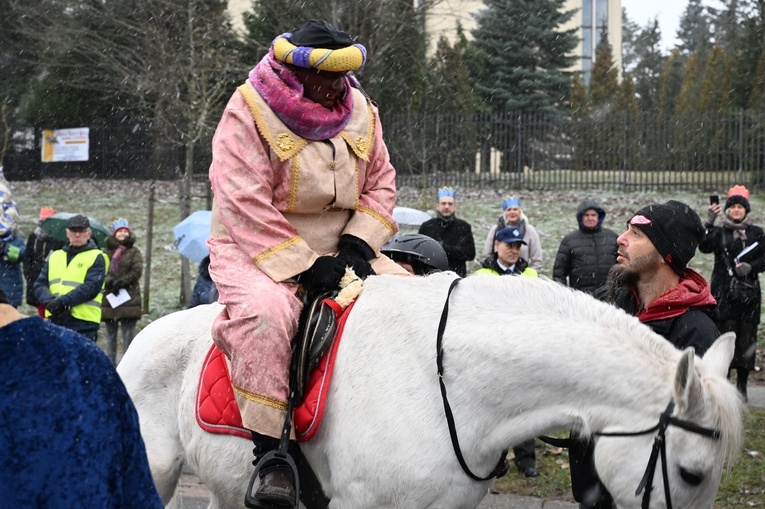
(454, 235)
(651, 281)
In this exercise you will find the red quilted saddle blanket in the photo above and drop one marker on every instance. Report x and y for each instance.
(218, 412)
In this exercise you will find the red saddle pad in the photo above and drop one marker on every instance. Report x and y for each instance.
(218, 412)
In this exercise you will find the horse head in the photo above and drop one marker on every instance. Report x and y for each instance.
(702, 429)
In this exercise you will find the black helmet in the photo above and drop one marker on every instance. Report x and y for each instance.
(414, 246)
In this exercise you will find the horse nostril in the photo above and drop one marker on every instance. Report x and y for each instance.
(692, 478)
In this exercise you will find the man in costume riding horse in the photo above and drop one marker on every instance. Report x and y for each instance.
(303, 188)
(651, 281)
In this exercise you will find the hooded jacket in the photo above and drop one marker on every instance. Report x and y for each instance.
(586, 254)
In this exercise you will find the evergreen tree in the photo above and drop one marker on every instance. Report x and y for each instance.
(647, 72)
(630, 33)
(690, 90)
(757, 97)
(524, 55)
(449, 88)
(747, 52)
(715, 93)
(671, 82)
(580, 102)
(626, 99)
(604, 82)
(694, 32)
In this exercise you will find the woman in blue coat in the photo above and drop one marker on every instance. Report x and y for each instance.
(12, 250)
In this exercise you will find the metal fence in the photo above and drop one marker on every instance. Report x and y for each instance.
(609, 151)
(521, 151)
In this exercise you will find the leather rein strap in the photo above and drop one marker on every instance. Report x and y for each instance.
(500, 468)
(660, 447)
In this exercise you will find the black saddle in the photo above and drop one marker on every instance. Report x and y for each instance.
(317, 327)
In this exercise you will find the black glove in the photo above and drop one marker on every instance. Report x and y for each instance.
(116, 287)
(108, 285)
(354, 253)
(742, 269)
(55, 306)
(324, 274)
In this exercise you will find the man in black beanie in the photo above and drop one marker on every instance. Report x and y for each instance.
(651, 280)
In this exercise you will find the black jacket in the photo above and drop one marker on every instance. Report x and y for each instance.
(456, 237)
(718, 240)
(586, 255)
(39, 246)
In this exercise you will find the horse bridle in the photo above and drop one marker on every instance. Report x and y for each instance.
(659, 442)
(659, 447)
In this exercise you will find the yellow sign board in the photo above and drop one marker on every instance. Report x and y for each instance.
(60, 145)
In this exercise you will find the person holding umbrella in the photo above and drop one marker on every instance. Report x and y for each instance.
(125, 270)
(72, 279)
(303, 188)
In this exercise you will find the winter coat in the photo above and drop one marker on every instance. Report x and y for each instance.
(716, 241)
(531, 251)
(11, 277)
(39, 246)
(586, 255)
(128, 276)
(456, 237)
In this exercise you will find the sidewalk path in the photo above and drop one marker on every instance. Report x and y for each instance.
(194, 495)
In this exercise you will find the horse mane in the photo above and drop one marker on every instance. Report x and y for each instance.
(553, 299)
(726, 409)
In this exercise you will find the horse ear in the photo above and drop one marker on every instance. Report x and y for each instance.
(687, 382)
(717, 358)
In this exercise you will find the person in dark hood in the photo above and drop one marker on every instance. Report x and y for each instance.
(652, 282)
(71, 281)
(735, 276)
(454, 235)
(586, 254)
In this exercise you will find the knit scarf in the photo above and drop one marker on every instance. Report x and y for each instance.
(739, 229)
(116, 258)
(283, 93)
(502, 223)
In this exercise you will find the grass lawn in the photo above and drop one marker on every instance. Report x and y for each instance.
(551, 212)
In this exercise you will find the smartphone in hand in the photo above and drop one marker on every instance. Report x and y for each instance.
(714, 199)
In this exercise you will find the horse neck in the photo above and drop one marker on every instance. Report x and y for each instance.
(582, 377)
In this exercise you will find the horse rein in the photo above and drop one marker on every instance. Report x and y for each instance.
(659, 447)
(500, 469)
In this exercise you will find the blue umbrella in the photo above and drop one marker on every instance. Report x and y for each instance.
(191, 235)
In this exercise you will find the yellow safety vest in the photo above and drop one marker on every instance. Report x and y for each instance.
(486, 271)
(63, 278)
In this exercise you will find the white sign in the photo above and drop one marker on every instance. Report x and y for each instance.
(65, 145)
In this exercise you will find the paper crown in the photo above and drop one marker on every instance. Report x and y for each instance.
(738, 191)
(511, 201)
(445, 192)
(45, 213)
(120, 223)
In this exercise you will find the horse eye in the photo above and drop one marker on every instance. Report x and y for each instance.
(692, 478)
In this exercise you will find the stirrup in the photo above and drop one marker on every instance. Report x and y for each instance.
(271, 460)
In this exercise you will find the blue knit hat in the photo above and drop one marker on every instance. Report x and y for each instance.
(120, 223)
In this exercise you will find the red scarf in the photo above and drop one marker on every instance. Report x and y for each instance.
(283, 93)
(116, 257)
(692, 291)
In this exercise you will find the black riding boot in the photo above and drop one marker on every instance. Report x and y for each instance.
(742, 376)
(277, 487)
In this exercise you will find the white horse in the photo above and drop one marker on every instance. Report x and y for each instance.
(521, 357)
